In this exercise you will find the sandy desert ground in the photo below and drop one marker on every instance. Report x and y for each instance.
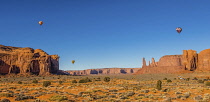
(121, 88)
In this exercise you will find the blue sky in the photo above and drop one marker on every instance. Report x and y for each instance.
(106, 33)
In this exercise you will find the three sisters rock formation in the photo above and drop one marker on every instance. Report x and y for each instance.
(190, 60)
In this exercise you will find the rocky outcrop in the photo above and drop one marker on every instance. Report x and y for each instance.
(103, 71)
(144, 63)
(166, 64)
(190, 58)
(204, 60)
(170, 60)
(27, 60)
(153, 64)
(188, 61)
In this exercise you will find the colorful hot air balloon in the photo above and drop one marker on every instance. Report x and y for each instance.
(40, 22)
(72, 61)
(179, 29)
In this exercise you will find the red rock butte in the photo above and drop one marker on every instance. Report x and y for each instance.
(189, 61)
(27, 60)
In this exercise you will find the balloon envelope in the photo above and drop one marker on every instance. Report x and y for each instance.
(72, 61)
(179, 29)
(40, 22)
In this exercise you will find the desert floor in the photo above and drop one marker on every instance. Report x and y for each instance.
(121, 88)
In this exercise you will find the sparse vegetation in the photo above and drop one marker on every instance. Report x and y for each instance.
(98, 79)
(107, 79)
(35, 81)
(20, 82)
(58, 98)
(169, 81)
(85, 80)
(165, 79)
(60, 82)
(159, 85)
(74, 81)
(82, 81)
(46, 83)
(195, 78)
(5, 100)
(200, 81)
(6, 95)
(207, 83)
(120, 88)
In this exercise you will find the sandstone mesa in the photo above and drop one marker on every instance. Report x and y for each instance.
(104, 71)
(27, 60)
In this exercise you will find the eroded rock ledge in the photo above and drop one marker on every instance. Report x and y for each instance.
(27, 60)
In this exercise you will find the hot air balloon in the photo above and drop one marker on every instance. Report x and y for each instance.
(40, 22)
(179, 29)
(72, 61)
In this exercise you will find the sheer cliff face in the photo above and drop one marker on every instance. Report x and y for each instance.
(170, 60)
(27, 60)
(204, 60)
(190, 59)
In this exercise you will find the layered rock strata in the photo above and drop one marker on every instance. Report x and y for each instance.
(27, 60)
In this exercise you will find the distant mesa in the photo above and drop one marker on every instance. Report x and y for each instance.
(103, 71)
(27, 60)
(189, 61)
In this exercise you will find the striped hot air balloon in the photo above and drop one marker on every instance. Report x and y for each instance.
(179, 30)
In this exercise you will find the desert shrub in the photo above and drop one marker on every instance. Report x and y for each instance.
(5, 100)
(188, 79)
(74, 81)
(98, 79)
(60, 82)
(165, 79)
(58, 98)
(46, 83)
(82, 81)
(22, 97)
(195, 78)
(169, 81)
(12, 88)
(6, 95)
(87, 80)
(19, 82)
(35, 81)
(207, 83)
(107, 79)
(38, 100)
(200, 81)
(159, 85)
(174, 78)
